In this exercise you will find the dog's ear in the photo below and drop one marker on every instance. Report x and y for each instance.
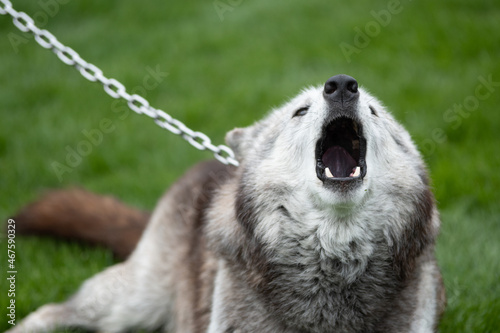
(236, 140)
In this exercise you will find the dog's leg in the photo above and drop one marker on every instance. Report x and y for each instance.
(431, 300)
(111, 301)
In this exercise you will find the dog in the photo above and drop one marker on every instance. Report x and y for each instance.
(327, 225)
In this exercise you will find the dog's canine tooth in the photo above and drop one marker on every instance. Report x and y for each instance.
(328, 173)
(357, 172)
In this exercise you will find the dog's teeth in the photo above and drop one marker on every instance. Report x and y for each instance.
(328, 173)
(356, 172)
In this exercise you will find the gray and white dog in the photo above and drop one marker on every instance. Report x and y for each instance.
(327, 225)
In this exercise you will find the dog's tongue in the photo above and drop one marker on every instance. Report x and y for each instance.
(339, 161)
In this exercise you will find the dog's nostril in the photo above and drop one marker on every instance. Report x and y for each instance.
(341, 88)
(352, 86)
(330, 87)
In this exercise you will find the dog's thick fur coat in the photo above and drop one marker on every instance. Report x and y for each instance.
(280, 244)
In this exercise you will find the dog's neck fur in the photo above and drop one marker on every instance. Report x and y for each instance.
(320, 276)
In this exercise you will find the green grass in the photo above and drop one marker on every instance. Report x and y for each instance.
(223, 74)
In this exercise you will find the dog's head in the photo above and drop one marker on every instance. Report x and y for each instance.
(335, 141)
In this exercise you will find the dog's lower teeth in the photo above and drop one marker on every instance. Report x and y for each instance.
(328, 173)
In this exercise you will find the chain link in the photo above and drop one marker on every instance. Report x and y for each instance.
(113, 87)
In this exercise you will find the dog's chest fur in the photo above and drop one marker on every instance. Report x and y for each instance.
(311, 282)
(320, 289)
(320, 293)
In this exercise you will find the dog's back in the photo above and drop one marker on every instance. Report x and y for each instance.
(170, 273)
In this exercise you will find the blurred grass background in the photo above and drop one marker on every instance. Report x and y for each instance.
(227, 67)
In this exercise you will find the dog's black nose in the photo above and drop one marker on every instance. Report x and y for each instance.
(341, 89)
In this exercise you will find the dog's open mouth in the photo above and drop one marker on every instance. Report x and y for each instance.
(340, 152)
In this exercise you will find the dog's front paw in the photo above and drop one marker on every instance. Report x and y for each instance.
(47, 318)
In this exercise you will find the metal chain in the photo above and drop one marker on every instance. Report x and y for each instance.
(114, 88)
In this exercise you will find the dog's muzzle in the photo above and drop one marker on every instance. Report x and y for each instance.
(341, 149)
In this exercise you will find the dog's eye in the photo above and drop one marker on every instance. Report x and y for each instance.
(301, 112)
(372, 109)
